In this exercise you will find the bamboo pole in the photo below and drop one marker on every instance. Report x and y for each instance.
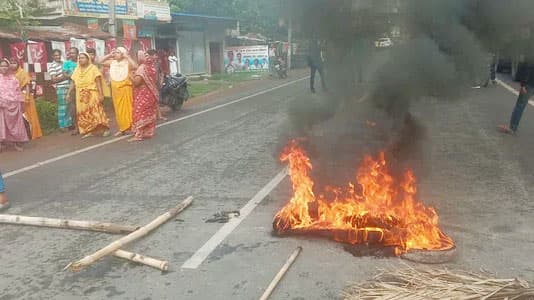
(116, 245)
(145, 260)
(67, 224)
(281, 274)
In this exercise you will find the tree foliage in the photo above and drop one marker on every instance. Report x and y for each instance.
(259, 16)
(15, 14)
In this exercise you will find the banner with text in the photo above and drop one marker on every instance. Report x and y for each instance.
(246, 58)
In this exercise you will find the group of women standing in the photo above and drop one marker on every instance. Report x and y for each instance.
(17, 105)
(133, 90)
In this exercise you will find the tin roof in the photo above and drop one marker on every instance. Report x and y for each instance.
(184, 14)
(56, 33)
(64, 32)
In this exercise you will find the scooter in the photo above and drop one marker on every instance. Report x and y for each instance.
(174, 91)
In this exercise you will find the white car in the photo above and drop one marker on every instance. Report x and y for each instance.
(383, 43)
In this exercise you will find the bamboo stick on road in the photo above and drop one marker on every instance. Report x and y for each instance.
(67, 224)
(281, 274)
(120, 243)
(145, 260)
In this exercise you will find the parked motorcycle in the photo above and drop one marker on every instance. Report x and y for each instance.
(174, 91)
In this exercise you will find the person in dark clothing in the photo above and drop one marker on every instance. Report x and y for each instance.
(492, 61)
(315, 61)
(526, 76)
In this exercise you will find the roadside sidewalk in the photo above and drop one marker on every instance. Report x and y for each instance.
(58, 144)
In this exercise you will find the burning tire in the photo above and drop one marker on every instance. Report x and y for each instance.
(378, 213)
(430, 256)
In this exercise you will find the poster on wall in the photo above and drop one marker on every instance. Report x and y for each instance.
(18, 51)
(93, 24)
(127, 43)
(37, 55)
(129, 29)
(246, 58)
(100, 47)
(90, 44)
(110, 45)
(61, 47)
(78, 43)
(145, 44)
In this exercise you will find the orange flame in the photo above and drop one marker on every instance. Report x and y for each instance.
(377, 209)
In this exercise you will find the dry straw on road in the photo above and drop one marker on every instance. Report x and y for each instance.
(422, 284)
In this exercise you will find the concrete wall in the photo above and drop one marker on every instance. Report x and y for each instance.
(188, 49)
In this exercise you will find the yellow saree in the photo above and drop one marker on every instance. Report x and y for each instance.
(122, 93)
(30, 111)
(89, 109)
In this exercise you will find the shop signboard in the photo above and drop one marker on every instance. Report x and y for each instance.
(154, 10)
(124, 9)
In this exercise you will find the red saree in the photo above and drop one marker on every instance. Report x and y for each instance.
(145, 101)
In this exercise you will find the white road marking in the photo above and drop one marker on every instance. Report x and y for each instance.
(73, 153)
(512, 90)
(198, 258)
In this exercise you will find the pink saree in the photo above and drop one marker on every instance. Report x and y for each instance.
(12, 127)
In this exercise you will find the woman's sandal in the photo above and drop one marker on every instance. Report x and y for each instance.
(505, 129)
(90, 134)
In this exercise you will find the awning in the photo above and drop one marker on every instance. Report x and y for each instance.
(55, 33)
(65, 32)
(198, 21)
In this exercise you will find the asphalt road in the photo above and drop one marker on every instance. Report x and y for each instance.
(479, 180)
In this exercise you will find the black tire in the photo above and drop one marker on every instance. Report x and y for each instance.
(177, 105)
(186, 95)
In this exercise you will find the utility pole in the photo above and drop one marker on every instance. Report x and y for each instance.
(290, 36)
(112, 22)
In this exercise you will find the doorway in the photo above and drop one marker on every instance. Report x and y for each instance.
(215, 58)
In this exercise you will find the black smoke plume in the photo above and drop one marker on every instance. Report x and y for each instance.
(444, 48)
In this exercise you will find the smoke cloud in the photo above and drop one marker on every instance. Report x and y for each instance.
(443, 49)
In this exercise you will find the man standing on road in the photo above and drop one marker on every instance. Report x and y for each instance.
(315, 61)
(61, 85)
(526, 76)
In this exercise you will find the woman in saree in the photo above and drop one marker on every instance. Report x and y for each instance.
(30, 111)
(12, 128)
(90, 115)
(146, 97)
(120, 65)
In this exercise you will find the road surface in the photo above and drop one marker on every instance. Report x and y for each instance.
(224, 153)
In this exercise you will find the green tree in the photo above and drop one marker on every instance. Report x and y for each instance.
(15, 14)
(260, 16)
